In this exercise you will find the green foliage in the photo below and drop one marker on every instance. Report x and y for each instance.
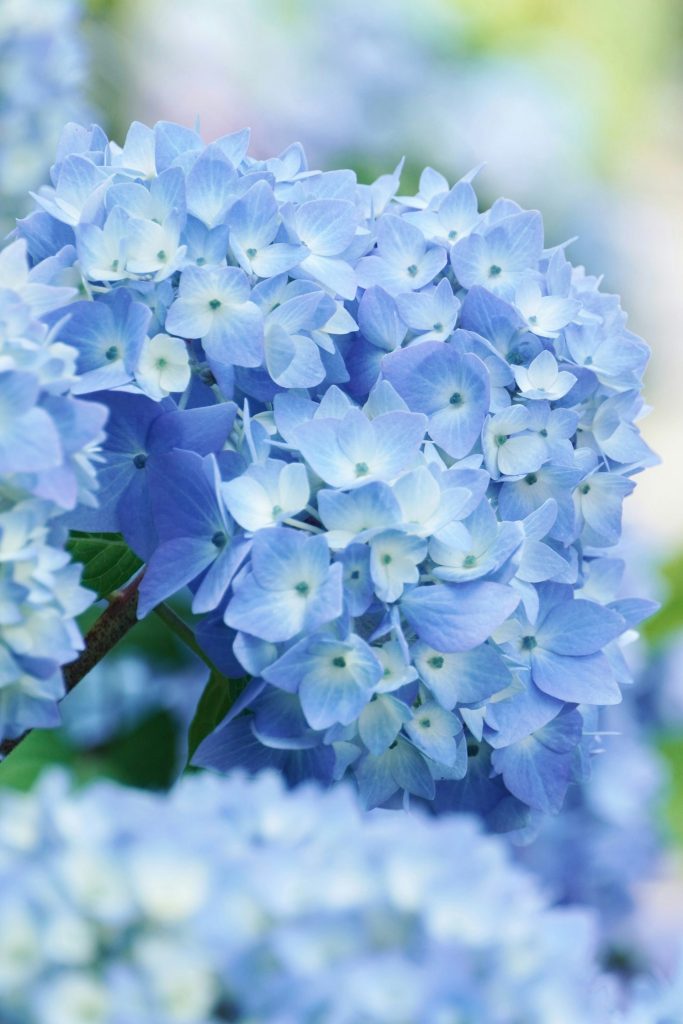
(669, 618)
(108, 562)
(145, 757)
(671, 748)
(220, 693)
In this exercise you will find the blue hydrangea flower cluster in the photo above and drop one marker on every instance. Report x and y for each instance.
(48, 445)
(42, 80)
(384, 439)
(233, 900)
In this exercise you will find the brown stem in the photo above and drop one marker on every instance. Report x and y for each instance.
(113, 624)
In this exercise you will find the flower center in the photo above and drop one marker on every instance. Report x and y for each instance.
(302, 588)
(455, 399)
(215, 304)
(529, 642)
(362, 469)
(412, 270)
(494, 270)
(436, 661)
(112, 353)
(219, 539)
(530, 479)
(339, 661)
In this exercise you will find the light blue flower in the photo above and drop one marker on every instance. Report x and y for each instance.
(334, 678)
(291, 587)
(213, 305)
(326, 228)
(29, 440)
(451, 389)
(501, 255)
(477, 546)
(354, 450)
(404, 262)
(109, 336)
(394, 560)
(545, 315)
(430, 314)
(267, 493)
(563, 647)
(510, 447)
(254, 224)
(448, 217)
(542, 378)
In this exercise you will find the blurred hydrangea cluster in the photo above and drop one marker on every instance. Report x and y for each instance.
(384, 439)
(375, 81)
(42, 77)
(233, 900)
(48, 445)
(608, 837)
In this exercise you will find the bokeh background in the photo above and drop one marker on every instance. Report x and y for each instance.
(572, 108)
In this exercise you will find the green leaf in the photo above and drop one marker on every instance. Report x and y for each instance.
(668, 621)
(671, 748)
(40, 750)
(220, 693)
(147, 756)
(107, 560)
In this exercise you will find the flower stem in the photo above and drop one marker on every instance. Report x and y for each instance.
(115, 621)
(182, 631)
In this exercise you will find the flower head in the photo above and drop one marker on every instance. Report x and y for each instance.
(389, 432)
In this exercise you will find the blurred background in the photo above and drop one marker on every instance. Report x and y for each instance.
(573, 108)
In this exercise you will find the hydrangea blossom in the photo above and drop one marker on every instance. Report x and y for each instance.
(235, 900)
(42, 77)
(403, 449)
(48, 446)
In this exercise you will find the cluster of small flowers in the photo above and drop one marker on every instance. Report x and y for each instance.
(233, 900)
(48, 441)
(384, 439)
(42, 76)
